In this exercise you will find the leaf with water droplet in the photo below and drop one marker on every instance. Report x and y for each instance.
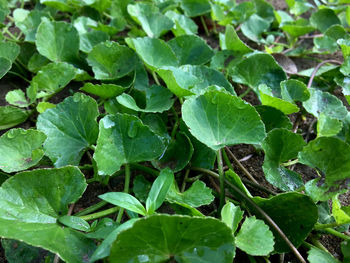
(127, 141)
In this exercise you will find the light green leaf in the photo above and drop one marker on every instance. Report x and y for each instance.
(74, 222)
(11, 116)
(218, 119)
(255, 237)
(297, 28)
(58, 41)
(294, 90)
(273, 118)
(124, 200)
(105, 91)
(234, 179)
(17, 98)
(153, 22)
(43, 106)
(109, 60)
(317, 255)
(156, 239)
(295, 214)
(231, 215)
(51, 79)
(159, 190)
(319, 153)
(70, 128)
(125, 139)
(195, 196)
(5, 66)
(324, 18)
(327, 126)
(177, 154)
(339, 213)
(259, 68)
(23, 149)
(154, 52)
(32, 201)
(158, 99)
(183, 25)
(195, 7)
(191, 49)
(232, 42)
(326, 103)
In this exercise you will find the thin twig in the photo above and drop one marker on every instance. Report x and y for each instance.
(313, 74)
(244, 170)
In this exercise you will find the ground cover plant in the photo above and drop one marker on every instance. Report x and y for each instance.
(174, 131)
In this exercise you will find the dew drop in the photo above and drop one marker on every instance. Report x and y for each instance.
(215, 99)
(76, 98)
(108, 123)
(11, 134)
(132, 132)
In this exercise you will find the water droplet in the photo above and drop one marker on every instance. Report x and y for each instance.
(132, 132)
(11, 134)
(108, 123)
(76, 98)
(215, 99)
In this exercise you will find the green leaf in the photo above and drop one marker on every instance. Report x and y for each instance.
(109, 60)
(17, 98)
(125, 139)
(158, 99)
(51, 79)
(141, 188)
(259, 68)
(58, 41)
(74, 222)
(11, 116)
(191, 49)
(154, 52)
(298, 7)
(177, 154)
(159, 190)
(43, 106)
(279, 146)
(231, 215)
(70, 128)
(294, 90)
(5, 66)
(104, 91)
(254, 27)
(156, 239)
(273, 118)
(9, 50)
(233, 178)
(317, 255)
(23, 149)
(182, 24)
(195, 7)
(295, 214)
(153, 22)
(319, 153)
(195, 196)
(218, 119)
(267, 98)
(327, 126)
(232, 42)
(32, 201)
(255, 237)
(297, 28)
(326, 103)
(345, 248)
(124, 200)
(324, 18)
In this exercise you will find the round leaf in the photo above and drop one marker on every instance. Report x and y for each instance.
(157, 239)
(218, 119)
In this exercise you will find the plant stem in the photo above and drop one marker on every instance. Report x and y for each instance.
(156, 80)
(183, 186)
(330, 225)
(205, 26)
(100, 214)
(126, 189)
(145, 169)
(86, 167)
(18, 75)
(318, 244)
(245, 92)
(222, 179)
(337, 234)
(268, 219)
(91, 209)
(245, 171)
(291, 162)
(176, 125)
(313, 74)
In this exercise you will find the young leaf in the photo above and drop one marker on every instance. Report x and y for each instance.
(159, 190)
(32, 201)
(231, 41)
(125, 139)
(157, 239)
(255, 237)
(218, 119)
(195, 196)
(21, 149)
(317, 255)
(341, 214)
(124, 200)
(183, 25)
(74, 222)
(17, 98)
(273, 118)
(70, 128)
(327, 126)
(294, 90)
(231, 215)
(11, 116)
(58, 41)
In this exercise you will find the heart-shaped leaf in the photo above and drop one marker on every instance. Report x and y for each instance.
(218, 119)
(125, 139)
(70, 128)
(23, 149)
(32, 201)
(156, 239)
